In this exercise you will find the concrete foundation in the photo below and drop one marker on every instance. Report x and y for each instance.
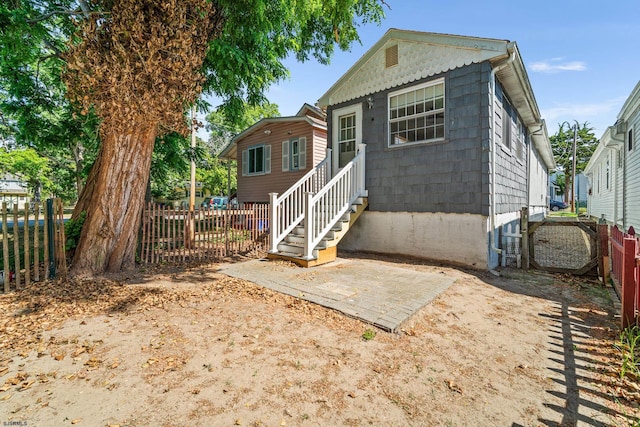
(460, 238)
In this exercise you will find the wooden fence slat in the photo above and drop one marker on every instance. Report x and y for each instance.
(16, 245)
(154, 235)
(177, 234)
(5, 248)
(36, 242)
(61, 261)
(628, 297)
(47, 243)
(143, 233)
(27, 247)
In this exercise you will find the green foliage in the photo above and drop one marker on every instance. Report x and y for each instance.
(561, 182)
(72, 230)
(138, 70)
(33, 108)
(27, 165)
(368, 335)
(562, 145)
(214, 176)
(629, 346)
(223, 128)
(258, 35)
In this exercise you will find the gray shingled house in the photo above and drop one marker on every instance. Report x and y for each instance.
(441, 138)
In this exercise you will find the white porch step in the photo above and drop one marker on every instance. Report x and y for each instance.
(290, 249)
(298, 241)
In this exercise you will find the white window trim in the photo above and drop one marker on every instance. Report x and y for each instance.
(335, 130)
(411, 89)
(266, 160)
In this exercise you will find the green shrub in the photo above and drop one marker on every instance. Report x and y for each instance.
(72, 230)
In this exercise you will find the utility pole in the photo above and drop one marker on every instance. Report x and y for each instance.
(192, 189)
(192, 192)
(574, 208)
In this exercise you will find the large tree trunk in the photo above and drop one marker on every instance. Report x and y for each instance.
(113, 198)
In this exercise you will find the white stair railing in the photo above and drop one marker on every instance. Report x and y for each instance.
(287, 211)
(325, 208)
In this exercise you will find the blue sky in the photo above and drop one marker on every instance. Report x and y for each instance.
(582, 57)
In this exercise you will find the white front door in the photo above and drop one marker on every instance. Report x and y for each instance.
(347, 134)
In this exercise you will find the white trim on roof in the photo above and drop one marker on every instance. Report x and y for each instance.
(421, 55)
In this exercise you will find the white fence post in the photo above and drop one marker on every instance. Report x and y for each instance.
(361, 170)
(309, 220)
(274, 222)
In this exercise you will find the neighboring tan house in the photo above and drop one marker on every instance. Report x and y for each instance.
(614, 169)
(276, 151)
(449, 142)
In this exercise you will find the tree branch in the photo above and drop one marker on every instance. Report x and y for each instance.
(54, 13)
(85, 8)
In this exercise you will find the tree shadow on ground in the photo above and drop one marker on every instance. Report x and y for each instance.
(583, 365)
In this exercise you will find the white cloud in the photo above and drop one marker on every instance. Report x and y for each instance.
(599, 115)
(555, 65)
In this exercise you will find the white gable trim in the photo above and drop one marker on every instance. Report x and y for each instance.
(421, 55)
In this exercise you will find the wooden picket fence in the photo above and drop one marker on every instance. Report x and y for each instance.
(171, 235)
(625, 260)
(32, 244)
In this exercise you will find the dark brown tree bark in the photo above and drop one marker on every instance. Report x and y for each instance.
(109, 235)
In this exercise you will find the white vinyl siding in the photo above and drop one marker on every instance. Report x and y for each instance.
(538, 178)
(632, 182)
(602, 198)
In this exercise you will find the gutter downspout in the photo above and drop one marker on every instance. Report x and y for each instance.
(492, 143)
(614, 185)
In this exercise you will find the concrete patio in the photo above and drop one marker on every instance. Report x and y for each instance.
(377, 292)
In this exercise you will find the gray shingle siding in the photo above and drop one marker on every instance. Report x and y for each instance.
(452, 175)
(444, 176)
(511, 172)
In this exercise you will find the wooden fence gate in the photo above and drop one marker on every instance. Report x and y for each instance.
(563, 245)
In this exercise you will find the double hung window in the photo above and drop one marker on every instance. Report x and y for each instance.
(417, 114)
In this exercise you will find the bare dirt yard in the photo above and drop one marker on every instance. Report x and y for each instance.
(193, 347)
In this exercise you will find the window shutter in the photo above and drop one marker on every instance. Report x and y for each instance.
(302, 146)
(245, 162)
(285, 156)
(267, 159)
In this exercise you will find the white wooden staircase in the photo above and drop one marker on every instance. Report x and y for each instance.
(331, 205)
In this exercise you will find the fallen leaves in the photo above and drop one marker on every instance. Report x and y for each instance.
(453, 386)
